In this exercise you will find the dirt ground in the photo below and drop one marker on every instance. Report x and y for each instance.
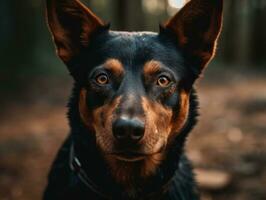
(228, 144)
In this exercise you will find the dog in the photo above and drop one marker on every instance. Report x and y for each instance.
(133, 103)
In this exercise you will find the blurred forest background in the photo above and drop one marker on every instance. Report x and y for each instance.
(228, 145)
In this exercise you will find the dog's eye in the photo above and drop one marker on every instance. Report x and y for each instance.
(102, 79)
(163, 81)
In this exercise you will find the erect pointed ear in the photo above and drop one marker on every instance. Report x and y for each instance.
(197, 27)
(71, 24)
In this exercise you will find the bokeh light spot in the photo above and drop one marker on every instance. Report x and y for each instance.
(176, 3)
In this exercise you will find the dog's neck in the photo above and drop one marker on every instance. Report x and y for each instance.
(174, 168)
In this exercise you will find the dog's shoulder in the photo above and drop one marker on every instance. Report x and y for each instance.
(183, 185)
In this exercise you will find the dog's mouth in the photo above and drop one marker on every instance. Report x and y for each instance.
(134, 155)
(129, 156)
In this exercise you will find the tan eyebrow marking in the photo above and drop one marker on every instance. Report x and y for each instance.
(152, 67)
(115, 66)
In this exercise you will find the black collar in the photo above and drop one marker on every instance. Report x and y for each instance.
(76, 167)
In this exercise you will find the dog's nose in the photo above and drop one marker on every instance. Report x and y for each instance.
(128, 130)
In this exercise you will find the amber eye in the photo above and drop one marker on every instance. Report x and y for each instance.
(102, 79)
(163, 81)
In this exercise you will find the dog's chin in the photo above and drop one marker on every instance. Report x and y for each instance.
(130, 168)
(131, 165)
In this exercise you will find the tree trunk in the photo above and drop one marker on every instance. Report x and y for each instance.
(229, 35)
(128, 15)
(258, 32)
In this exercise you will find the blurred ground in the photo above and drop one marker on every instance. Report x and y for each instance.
(229, 138)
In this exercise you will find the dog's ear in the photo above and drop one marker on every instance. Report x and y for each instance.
(196, 28)
(71, 24)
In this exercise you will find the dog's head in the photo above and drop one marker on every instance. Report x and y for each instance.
(135, 87)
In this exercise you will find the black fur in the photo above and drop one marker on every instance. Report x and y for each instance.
(174, 175)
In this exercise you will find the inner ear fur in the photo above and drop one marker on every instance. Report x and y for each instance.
(197, 27)
(71, 24)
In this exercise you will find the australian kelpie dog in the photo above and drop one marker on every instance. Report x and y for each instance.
(133, 103)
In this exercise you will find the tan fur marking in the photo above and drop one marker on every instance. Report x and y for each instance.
(154, 141)
(126, 173)
(83, 109)
(115, 66)
(151, 67)
(183, 112)
(102, 124)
